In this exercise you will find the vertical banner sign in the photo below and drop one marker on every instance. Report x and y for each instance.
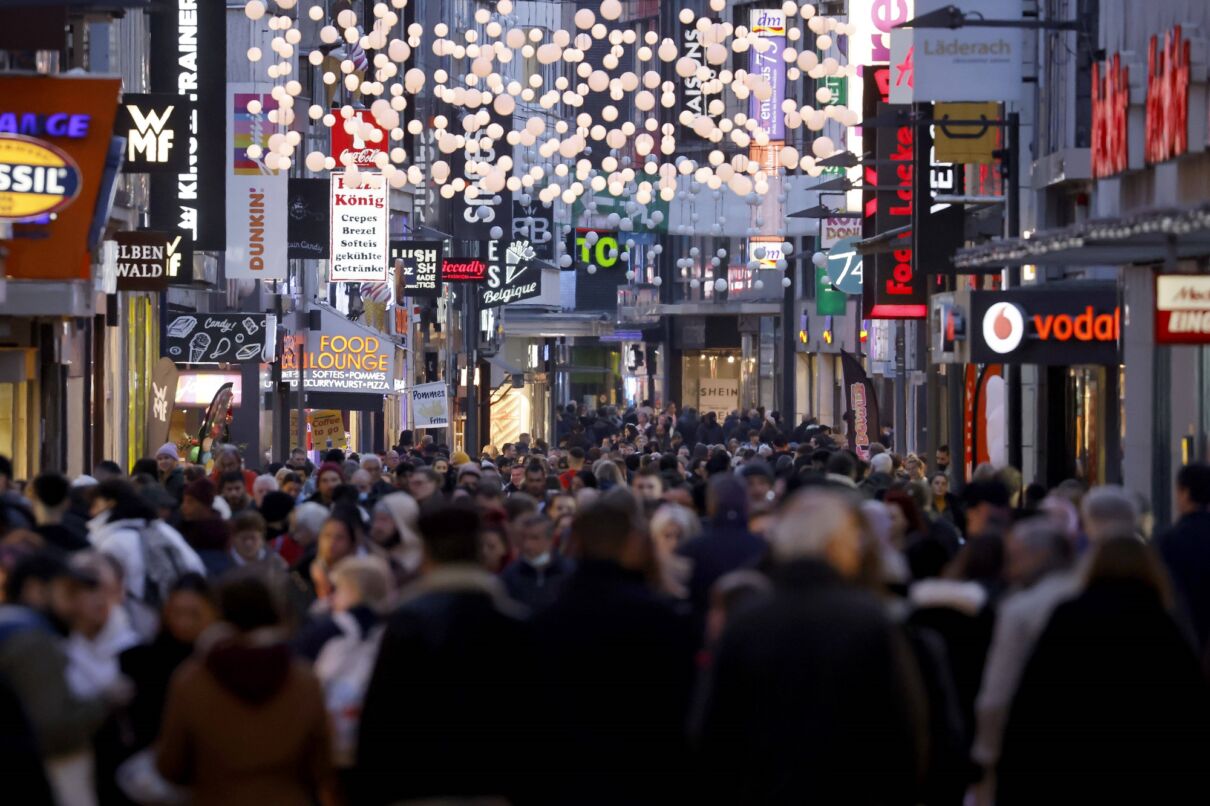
(159, 408)
(535, 222)
(896, 290)
(693, 99)
(156, 129)
(511, 275)
(417, 268)
(430, 406)
(143, 260)
(307, 219)
(359, 229)
(189, 58)
(861, 406)
(256, 195)
(473, 220)
(765, 60)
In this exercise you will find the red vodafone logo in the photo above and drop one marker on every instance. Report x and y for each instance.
(1003, 327)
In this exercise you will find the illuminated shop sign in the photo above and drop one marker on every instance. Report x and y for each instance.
(1047, 326)
(156, 129)
(36, 178)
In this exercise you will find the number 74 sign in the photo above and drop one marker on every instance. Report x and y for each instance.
(844, 268)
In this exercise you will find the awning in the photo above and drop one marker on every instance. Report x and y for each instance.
(1149, 237)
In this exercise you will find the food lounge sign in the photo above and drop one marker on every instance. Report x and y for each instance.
(340, 358)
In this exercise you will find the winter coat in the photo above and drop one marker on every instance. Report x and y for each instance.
(63, 537)
(1185, 549)
(150, 667)
(537, 588)
(724, 547)
(34, 665)
(709, 433)
(451, 669)
(615, 672)
(814, 697)
(174, 484)
(245, 724)
(1112, 707)
(122, 540)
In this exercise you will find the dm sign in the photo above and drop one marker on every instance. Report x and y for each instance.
(36, 178)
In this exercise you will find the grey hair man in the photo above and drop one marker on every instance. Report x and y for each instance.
(1109, 511)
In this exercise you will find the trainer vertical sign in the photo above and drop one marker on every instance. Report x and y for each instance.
(257, 194)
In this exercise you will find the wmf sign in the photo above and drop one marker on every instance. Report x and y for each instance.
(156, 128)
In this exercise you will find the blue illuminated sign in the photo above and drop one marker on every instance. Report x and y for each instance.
(57, 124)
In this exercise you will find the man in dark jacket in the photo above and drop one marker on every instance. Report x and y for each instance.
(51, 494)
(616, 664)
(710, 432)
(726, 544)
(1185, 549)
(539, 574)
(442, 716)
(814, 696)
(171, 474)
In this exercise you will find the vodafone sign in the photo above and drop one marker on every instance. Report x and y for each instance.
(1182, 309)
(1074, 324)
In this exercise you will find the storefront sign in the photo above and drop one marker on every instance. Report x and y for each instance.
(834, 229)
(1042, 325)
(418, 266)
(718, 395)
(1182, 309)
(36, 178)
(349, 149)
(474, 218)
(359, 229)
(145, 260)
(71, 116)
(861, 406)
(1110, 108)
(535, 222)
(463, 270)
(189, 57)
(693, 100)
(256, 194)
(307, 221)
(962, 144)
(511, 276)
(765, 61)
(604, 253)
(897, 289)
(844, 267)
(1167, 97)
(968, 63)
(156, 129)
(162, 394)
(214, 338)
(328, 429)
(430, 406)
(199, 388)
(340, 357)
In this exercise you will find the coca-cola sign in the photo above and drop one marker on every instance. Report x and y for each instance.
(346, 143)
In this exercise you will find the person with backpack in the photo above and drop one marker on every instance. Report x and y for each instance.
(152, 554)
(345, 646)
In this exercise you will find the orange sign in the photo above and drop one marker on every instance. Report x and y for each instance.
(76, 116)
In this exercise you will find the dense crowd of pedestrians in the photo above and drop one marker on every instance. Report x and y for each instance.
(659, 608)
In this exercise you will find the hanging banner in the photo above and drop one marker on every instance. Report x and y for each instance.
(511, 276)
(718, 395)
(861, 406)
(256, 194)
(214, 338)
(144, 260)
(349, 149)
(307, 220)
(417, 268)
(535, 222)
(159, 407)
(359, 229)
(155, 126)
(430, 405)
(765, 60)
(188, 56)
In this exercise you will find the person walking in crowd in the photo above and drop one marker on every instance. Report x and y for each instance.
(538, 575)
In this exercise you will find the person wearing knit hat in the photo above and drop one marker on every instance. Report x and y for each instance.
(459, 458)
(169, 471)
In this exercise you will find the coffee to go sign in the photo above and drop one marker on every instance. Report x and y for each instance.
(1069, 325)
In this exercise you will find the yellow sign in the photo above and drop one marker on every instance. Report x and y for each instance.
(328, 429)
(36, 178)
(966, 143)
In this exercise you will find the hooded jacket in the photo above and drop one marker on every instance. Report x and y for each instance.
(245, 723)
(122, 540)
